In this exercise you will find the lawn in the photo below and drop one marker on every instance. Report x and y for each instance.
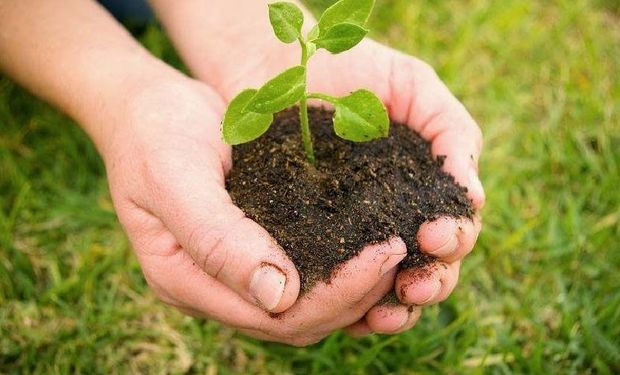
(539, 294)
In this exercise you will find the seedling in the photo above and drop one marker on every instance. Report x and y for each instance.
(358, 117)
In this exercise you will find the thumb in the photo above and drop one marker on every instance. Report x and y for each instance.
(227, 245)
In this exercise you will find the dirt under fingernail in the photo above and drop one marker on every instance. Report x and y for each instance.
(357, 194)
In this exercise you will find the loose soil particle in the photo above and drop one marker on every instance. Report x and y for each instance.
(358, 193)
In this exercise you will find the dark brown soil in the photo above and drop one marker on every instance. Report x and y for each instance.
(358, 193)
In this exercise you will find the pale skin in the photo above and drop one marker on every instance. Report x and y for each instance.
(158, 133)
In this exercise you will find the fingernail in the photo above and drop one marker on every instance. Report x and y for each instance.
(434, 294)
(447, 248)
(476, 186)
(267, 286)
(391, 262)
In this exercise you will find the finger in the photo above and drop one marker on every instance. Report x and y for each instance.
(427, 285)
(352, 290)
(387, 318)
(195, 207)
(391, 319)
(178, 281)
(313, 330)
(359, 310)
(358, 329)
(448, 238)
(241, 254)
(461, 153)
(303, 329)
(421, 100)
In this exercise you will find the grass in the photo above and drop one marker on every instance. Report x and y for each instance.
(540, 294)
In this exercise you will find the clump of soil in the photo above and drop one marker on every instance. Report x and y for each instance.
(358, 193)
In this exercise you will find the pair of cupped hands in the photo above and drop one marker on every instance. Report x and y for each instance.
(167, 165)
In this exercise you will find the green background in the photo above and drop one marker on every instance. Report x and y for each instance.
(539, 294)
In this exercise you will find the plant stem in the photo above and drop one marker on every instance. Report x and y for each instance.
(303, 111)
(305, 131)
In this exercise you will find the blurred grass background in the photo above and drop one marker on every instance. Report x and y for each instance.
(540, 294)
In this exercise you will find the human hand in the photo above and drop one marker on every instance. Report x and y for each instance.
(166, 165)
(415, 96)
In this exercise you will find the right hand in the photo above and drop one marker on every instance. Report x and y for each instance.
(167, 165)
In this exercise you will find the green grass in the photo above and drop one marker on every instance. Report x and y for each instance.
(540, 294)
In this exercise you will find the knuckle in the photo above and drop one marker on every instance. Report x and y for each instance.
(201, 246)
(205, 243)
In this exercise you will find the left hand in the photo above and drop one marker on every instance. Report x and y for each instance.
(414, 95)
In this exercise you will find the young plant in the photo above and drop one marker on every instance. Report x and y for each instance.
(358, 117)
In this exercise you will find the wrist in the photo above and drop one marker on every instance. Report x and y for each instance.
(107, 101)
(78, 58)
(157, 112)
(228, 44)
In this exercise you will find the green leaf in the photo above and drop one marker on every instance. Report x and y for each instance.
(341, 37)
(314, 33)
(280, 92)
(350, 11)
(311, 48)
(361, 117)
(286, 20)
(241, 126)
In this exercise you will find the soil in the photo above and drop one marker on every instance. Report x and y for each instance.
(358, 193)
